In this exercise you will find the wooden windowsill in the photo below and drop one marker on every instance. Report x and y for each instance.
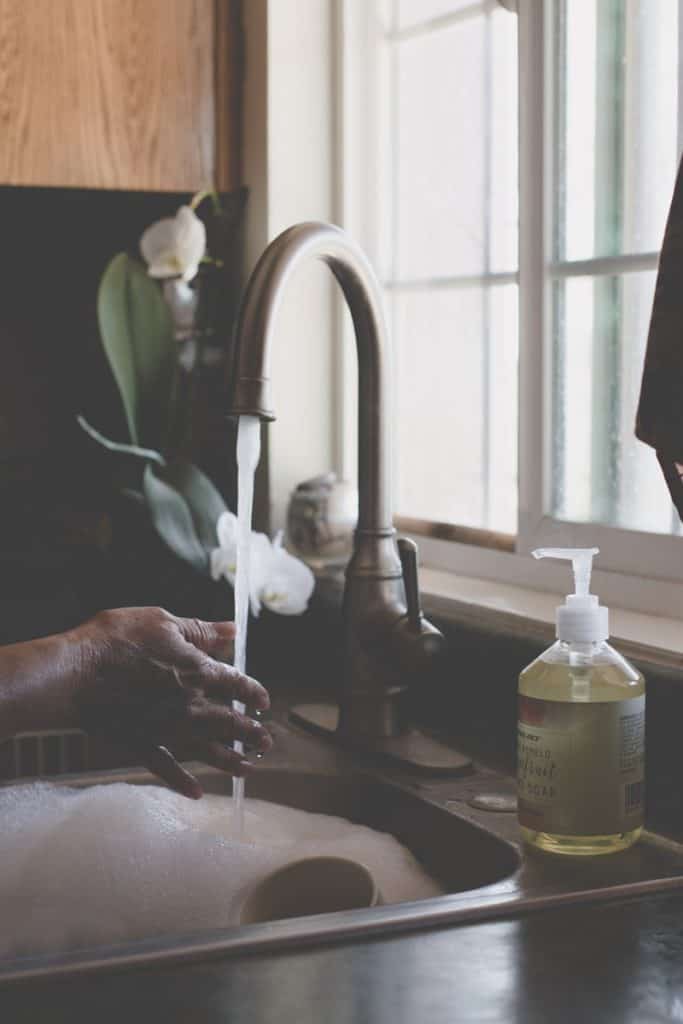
(530, 614)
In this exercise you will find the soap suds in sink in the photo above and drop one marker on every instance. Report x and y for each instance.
(115, 863)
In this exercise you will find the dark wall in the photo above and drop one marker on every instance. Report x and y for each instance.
(68, 545)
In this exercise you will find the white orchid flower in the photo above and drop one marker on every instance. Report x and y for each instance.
(224, 557)
(290, 582)
(174, 246)
(260, 557)
(226, 530)
(276, 579)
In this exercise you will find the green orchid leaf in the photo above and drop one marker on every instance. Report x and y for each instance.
(173, 520)
(185, 507)
(205, 503)
(137, 335)
(148, 454)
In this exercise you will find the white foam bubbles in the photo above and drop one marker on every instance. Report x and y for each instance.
(114, 863)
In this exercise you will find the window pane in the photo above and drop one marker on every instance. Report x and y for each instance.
(502, 406)
(456, 370)
(600, 472)
(455, 160)
(615, 124)
(503, 160)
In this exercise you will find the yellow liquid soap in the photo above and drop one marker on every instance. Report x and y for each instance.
(581, 750)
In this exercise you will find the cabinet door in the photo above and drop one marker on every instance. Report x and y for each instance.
(113, 93)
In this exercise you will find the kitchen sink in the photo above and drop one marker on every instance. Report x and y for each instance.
(461, 836)
(460, 855)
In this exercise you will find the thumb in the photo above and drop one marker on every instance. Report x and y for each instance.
(161, 762)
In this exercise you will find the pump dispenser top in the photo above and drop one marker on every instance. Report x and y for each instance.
(580, 619)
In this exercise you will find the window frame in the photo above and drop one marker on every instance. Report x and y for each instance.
(637, 570)
(632, 552)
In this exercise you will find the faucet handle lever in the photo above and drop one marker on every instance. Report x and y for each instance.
(407, 550)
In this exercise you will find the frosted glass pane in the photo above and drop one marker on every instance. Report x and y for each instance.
(415, 12)
(616, 71)
(502, 408)
(504, 165)
(455, 149)
(440, 153)
(456, 423)
(600, 471)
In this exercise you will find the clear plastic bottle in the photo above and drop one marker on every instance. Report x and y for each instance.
(580, 733)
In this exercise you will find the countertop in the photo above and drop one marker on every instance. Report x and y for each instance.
(618, 963)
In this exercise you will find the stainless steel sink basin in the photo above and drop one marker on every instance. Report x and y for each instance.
(474, 854)
(460, 855)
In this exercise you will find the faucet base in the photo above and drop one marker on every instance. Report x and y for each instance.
(413, 749)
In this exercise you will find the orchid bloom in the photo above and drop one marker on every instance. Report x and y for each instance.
(289, 583)
(174, 246)
(279, 581)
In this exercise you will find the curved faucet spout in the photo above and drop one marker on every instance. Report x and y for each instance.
(384, 646)
(254, 336)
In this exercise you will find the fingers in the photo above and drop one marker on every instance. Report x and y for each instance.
(219, 722)
(224, 681)
(161, 762)
(218, 680)
(214, 638)
(219, 756)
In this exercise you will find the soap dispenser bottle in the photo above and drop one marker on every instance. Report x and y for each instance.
(581, 731)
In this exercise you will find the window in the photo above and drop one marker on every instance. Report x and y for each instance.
(518, 352)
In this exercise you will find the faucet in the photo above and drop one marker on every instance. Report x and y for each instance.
(387, 641)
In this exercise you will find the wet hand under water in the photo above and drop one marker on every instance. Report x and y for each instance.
(154, 682)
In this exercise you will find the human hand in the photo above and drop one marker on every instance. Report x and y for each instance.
(151, 681)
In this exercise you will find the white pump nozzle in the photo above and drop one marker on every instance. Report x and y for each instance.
(582, 563)
(580, 619)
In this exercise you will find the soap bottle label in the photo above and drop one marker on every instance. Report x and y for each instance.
(580, 766)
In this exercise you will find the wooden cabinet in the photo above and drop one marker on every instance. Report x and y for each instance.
(120, 94)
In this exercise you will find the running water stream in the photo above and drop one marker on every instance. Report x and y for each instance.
(248, 454)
